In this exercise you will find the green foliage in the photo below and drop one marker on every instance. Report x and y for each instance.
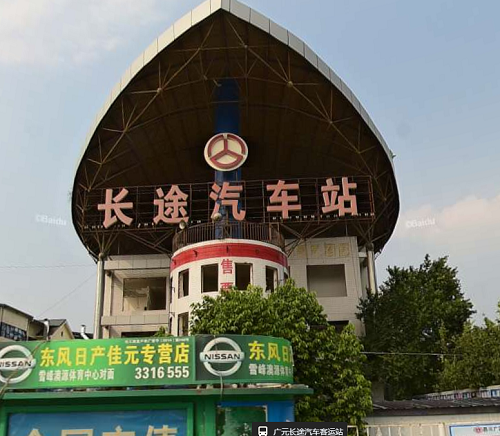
(329, 362)
(477, 360)
(417, 310)
(161, 333)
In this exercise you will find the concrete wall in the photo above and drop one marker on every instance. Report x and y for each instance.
(116, 320)
(321, 251)
(63, 333)
(332, 251)
(14, 318)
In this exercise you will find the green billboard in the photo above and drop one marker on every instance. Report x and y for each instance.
(135, 362)
(243, 359)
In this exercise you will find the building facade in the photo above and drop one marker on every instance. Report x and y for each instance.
(229, 154)
(16, 325)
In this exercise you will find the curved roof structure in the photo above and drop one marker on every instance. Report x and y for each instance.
(298, 118)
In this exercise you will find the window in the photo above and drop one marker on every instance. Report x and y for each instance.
(327, 280)
(271, 278)
(183, 283)
(144, 294)
(183, 324)
(243, 275)
(210, 278)
(339, 325)
(8, 331)
(171, 294)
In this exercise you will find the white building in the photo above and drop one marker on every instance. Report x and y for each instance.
(142, 293)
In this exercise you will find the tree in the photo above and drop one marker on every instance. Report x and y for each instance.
(476, 362)
(417, 310)
(162, 333)
(329, 362)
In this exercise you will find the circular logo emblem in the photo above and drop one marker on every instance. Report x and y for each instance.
(22, 363)
(226, 152)
(231, 354)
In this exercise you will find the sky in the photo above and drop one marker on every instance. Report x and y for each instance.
(426, 72)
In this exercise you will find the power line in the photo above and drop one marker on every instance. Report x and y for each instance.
(395, 353)
(44, 266)
(67, 295)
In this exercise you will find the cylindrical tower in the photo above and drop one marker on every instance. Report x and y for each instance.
(206, 268)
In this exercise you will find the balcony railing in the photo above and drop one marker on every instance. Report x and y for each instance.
(233, 230)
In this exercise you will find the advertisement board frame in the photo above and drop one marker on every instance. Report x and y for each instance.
(7, 410)
(145, 362)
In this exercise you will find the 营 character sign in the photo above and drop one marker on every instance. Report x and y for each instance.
(226, 152)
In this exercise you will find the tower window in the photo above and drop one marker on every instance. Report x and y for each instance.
(271, 278)
(183, 324)
(183, 283)
(210, 278)
(243, 275)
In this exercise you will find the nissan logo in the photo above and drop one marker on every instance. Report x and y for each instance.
(20, 364)
(211, 355)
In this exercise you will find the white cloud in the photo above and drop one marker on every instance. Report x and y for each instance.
(51, 32)
(470, 221)
(467, 231)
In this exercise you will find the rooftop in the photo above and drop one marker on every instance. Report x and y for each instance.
(433, 406)
(6, 306)
(299, 119)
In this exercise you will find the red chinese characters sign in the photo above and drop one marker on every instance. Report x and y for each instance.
(260, 201)
(227, 273)
(227, 195)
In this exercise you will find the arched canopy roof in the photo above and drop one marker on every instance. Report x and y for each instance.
(297, 116)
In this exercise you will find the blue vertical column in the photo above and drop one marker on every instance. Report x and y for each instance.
(227, 120)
